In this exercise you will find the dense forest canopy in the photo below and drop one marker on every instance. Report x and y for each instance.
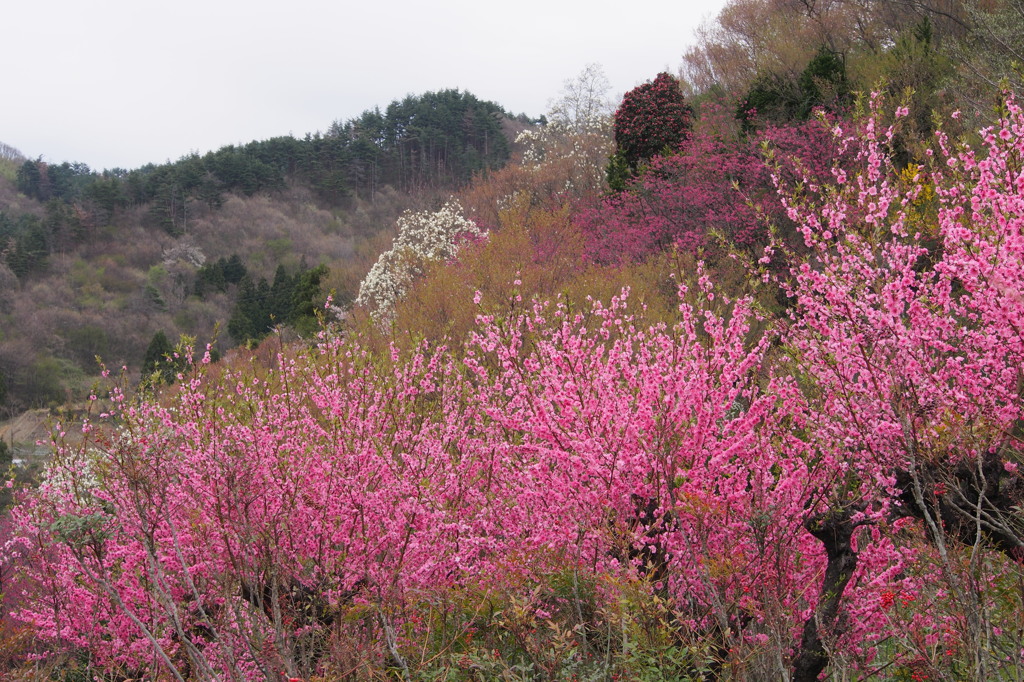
(439, 139)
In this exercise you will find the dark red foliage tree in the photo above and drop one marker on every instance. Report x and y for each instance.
(652, 117)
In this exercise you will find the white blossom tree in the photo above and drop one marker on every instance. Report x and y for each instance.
(578, 132)
(424, 237)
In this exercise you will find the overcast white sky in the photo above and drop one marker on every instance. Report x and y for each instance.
(121, 83)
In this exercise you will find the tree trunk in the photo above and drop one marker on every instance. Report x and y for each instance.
(835, 530)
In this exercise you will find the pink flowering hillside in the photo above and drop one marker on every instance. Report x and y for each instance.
(573, 492)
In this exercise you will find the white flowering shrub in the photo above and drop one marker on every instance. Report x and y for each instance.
(583, 151)
(579, 132)
(558, 140)
(186, 252)
(423, 237)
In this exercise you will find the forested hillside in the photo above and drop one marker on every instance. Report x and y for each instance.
(241, 240)
(721, 381)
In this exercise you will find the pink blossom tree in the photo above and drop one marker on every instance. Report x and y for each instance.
(907, 326)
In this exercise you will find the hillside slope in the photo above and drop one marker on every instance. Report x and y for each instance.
(214, 247)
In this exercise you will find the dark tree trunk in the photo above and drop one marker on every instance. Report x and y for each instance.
(835, 530)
